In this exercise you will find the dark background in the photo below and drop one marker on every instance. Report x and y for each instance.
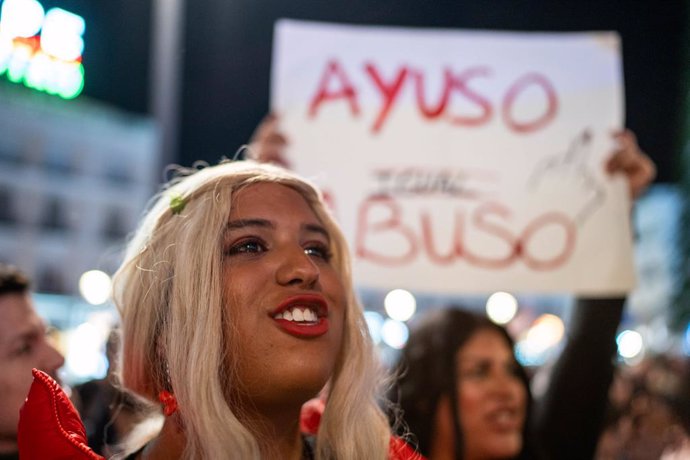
(227, 51)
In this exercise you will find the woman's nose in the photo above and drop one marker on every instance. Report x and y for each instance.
(506, 384)
(297, 268)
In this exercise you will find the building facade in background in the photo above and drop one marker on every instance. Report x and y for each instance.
(75, 177)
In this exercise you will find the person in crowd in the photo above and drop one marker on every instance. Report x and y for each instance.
(23, 346)
(238, 307)
(648, 413)
(463, 394)
(461, 391)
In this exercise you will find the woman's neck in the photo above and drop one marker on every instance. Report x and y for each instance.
(278, 437)
(169, 444)
(277, 432)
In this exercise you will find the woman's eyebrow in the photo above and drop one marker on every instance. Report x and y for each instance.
(265, 223)
(28, 335)
(242, 223)
(316, 228)
(473, 358)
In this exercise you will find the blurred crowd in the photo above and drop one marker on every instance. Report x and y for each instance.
(649, 411)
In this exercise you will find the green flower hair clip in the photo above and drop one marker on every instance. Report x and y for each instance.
(177, 203)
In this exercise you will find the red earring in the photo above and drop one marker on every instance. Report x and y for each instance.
(169, 402)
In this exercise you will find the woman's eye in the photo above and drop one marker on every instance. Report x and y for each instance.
(476, 371)
(319, 250)
(246, 247)
(24, 349)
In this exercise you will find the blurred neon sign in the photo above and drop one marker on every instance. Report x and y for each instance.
(42, 49)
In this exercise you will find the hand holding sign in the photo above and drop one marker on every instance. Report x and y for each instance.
(268, 144)
(629, 160)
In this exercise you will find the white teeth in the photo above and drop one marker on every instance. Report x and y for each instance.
(298, 314)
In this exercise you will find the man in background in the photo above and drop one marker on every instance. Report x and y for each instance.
(23, 346)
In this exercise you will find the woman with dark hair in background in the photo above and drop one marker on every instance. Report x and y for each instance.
(462, 391)
(463, 394)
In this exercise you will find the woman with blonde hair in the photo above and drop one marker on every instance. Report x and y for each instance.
(237, 308)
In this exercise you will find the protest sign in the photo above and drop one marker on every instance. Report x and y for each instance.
(461, 161)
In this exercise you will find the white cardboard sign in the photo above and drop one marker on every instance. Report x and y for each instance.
(462, 161)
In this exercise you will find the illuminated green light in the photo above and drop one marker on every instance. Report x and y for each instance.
(72, 83)
(5, 52)
(50, 63)
(38, 72)
(18, 62)
(42, 72)
(64, 79)
(15, 71)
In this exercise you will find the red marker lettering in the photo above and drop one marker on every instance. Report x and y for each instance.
(392, 225)
(514, 91)
(334, 72)
(480, 221)
(460, 84)
(389, 92)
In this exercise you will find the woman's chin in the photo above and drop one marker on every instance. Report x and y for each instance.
(507, 448)
(289, 390)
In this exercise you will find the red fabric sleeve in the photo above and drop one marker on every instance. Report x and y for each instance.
(49, 426)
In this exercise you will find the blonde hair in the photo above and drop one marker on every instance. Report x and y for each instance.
(170, 296)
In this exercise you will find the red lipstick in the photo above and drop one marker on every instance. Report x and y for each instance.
(313, 327)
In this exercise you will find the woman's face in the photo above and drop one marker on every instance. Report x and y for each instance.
(286, 302)
(492, 399)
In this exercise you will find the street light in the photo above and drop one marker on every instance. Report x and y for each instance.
(94, 286)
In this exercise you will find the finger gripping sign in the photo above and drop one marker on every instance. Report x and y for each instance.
(462, 161)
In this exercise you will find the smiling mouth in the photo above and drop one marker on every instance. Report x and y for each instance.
(505, 419)
(303, 316)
